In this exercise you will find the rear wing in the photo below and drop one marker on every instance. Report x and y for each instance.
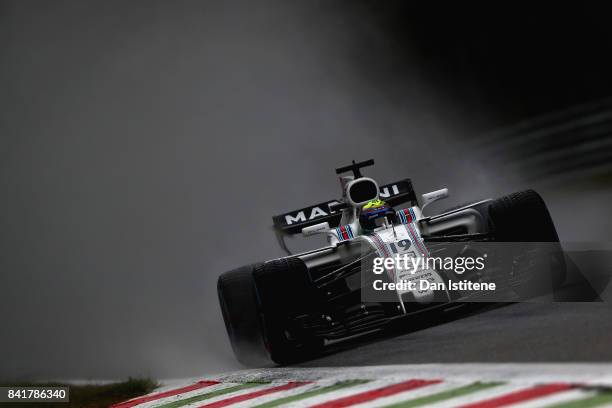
(293, 222)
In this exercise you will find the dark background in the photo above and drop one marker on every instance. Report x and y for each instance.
(144, 147)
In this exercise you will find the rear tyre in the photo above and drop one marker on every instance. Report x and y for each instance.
(524, 218)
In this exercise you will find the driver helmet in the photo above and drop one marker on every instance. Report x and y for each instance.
(374, 213)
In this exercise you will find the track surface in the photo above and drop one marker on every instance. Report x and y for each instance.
(416, 385)
(525, 332)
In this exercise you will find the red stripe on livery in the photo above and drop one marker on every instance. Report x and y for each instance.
(153, 397)
(377, 393)
(251, 395)
(520, 396)
(417, 241)
(407, 214)
(344, 233)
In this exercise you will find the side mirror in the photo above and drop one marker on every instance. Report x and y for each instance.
(320, 228)
(429, 198)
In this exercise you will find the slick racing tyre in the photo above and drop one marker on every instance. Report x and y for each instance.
(258, 302)
(239, 306)
(523, 219)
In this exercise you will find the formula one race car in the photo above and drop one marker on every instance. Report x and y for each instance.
(289, 309)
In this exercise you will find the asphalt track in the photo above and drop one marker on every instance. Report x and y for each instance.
(522, 332)
(477, 355)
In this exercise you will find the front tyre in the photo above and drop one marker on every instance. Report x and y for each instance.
(258, 304)
(239, 306)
